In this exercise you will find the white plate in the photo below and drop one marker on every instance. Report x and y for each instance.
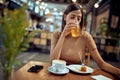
(65, 71)
(76, 68)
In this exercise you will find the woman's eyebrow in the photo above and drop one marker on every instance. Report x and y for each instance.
(76, 15)
(73, 15)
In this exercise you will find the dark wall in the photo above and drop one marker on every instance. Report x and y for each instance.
(114, 17)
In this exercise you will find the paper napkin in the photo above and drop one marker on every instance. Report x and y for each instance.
(100, 77)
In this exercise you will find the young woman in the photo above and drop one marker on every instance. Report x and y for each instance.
(66, 47)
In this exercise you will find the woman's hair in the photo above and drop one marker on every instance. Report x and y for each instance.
(70, 8)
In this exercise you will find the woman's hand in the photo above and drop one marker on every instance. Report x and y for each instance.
(67, 29)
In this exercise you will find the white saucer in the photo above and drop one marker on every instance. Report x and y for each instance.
(65, 71)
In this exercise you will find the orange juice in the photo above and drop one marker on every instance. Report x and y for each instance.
(75, 31)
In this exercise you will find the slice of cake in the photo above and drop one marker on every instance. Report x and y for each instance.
(83, 69)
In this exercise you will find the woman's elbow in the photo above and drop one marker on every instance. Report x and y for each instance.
(102, 64)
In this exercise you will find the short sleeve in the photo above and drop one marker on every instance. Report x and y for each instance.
(90, 43)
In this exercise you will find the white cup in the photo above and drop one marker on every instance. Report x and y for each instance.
(58, 65)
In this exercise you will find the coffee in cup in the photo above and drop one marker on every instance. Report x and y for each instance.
(58, 65)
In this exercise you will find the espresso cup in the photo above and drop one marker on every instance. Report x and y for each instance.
(58, 65)
(75, 31)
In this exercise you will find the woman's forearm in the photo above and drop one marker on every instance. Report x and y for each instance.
(109, 68)
(104, 65)
(56, 50)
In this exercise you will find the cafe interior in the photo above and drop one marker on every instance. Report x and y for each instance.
(101, 20)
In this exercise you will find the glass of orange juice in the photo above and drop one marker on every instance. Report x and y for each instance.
(75, 31)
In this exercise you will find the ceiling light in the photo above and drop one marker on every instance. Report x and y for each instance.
(37, 2)
(96, 5)
(73, 0)
(55, 9)
(60, 13)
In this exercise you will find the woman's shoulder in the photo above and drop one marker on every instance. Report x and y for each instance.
(86, 34)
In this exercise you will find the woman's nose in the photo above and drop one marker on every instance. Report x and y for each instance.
(76, 20)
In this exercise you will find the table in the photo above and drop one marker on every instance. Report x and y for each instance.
(22, 73)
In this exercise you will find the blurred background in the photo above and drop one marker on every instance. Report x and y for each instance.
(102, 21)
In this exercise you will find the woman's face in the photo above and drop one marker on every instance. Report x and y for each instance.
(73, 16)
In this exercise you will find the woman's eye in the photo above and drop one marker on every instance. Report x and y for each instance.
(79, 19)
(72, 17)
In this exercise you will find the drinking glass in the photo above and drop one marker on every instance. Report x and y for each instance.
(75, 31)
